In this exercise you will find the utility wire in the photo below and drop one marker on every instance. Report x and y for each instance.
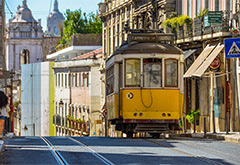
(50, 7)
(9, 9)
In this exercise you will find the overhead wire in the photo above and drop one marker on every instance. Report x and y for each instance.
(9, 9)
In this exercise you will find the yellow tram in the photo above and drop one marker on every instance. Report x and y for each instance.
(144, 81)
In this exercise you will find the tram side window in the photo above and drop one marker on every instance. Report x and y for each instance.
(152, 68)
(171, 73)
(133, 78)
(110, 80)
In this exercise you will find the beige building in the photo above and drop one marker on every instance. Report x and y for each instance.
(134, 14)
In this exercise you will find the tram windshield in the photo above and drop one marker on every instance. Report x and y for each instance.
(152, 72)
(133, 78)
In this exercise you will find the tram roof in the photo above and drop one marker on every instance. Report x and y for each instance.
(143, 48)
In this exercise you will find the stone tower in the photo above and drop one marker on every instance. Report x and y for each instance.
(54, 19)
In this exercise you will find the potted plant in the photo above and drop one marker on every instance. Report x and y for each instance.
(190, 116)
(234, 30)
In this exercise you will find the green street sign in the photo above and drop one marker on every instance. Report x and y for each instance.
(214, 16)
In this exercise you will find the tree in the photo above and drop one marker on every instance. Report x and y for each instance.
(78, 22)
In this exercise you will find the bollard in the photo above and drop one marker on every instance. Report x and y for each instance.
(227, 123)
(205, 127)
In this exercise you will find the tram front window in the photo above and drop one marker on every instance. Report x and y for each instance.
(133, 78)
(171, 73)
(152, 68)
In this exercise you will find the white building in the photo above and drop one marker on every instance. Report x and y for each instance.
(24, 39)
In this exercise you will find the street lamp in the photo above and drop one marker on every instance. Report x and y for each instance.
(61, 103)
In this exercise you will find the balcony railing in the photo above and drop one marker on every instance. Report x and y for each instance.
(198, 28)
(77, 125)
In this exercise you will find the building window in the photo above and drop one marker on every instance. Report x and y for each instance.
(76, 78)
(66, 81)
(132, 70)
(58, 80)
(109, 45)
(207, 4)
(171, 73)
(72, 80)
(110, 80)
(217, 5)
(118, 35)
(123, 32)
(62, 80)
(179, 7)
(105, 42)
(189, 8)
(152, 72)
(69, 80)
(114, 38)
(198, 7)
(76, 109)
(25, 56)
(79, 81)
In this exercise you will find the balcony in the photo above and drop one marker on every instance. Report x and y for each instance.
(79, 126)
(200, 30)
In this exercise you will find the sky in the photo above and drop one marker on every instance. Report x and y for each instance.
(40, 8)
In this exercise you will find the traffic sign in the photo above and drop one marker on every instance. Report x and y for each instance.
(214, 16)
(232, 47)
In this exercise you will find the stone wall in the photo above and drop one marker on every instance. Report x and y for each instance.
(49, 45)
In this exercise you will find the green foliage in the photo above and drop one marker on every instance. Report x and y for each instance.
(177, 21)
(16, 103)
(190, 115)
(70, 117)
(78, 22)
(180, 123)
(202, 13)
(79, 120)
(183, 19)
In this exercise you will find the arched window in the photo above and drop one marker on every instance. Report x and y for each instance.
(25, 56)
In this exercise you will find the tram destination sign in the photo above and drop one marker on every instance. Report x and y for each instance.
(151, 37)
(214, 16)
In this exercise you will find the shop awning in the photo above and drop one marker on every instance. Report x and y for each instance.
(188, 53)
(202, 68)
(207, 50)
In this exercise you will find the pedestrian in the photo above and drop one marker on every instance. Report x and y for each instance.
(3, 111)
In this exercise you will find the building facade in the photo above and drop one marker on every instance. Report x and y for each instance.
(37, 99)
(77, 95)
(24, 39)
(213, 91)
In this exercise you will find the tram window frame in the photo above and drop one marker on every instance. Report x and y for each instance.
(139, 74)
(153, 61)
(110, 80)
(165, 73)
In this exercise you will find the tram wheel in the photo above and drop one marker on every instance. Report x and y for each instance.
(129, 134)
(156, 135)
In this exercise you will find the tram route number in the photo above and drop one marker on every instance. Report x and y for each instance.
(130, 95)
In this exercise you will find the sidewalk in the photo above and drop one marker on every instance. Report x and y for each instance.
(9, 135)
(233, 137)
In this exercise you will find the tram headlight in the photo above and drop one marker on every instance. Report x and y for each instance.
(169, 114)
(164, 114)
(140, 114)
(135, 114)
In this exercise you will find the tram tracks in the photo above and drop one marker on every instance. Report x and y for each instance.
(60, 159)
(203, 159)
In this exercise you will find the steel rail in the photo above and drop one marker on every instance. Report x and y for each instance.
(206, 160)
(100, 157)
(55, 153)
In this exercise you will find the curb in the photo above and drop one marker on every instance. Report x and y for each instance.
(207, 136)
